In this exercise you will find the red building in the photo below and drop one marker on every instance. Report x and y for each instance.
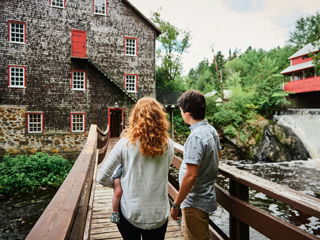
(301, 79)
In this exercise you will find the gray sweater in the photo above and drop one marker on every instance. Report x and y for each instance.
(144, 180)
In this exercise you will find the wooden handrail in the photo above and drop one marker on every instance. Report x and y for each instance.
(64, 217)
(243, 214)
(298, 200)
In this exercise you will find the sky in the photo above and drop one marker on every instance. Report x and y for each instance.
(230, 24)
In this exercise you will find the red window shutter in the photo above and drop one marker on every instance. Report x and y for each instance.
(78, 43)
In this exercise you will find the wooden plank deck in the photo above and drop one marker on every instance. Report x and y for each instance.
(98, 224)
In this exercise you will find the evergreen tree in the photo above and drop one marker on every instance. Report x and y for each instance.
(307, 30)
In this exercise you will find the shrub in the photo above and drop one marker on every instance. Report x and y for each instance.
(230, 131)
(181, 129)
(24, 173)
(226, 117)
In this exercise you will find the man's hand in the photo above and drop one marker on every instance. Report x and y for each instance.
(174, 213)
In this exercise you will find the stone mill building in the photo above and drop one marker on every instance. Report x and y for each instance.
(67, 64)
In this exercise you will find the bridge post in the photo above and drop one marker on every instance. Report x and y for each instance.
(171, 122)
(238, 229)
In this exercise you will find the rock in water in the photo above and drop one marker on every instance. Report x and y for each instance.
(279, 144)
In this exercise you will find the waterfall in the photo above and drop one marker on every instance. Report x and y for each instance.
(305, 123)
(264, 146)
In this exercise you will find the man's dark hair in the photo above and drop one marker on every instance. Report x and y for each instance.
(194, 102)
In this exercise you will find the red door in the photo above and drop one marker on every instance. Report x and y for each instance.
(78, 43)
(115, 121)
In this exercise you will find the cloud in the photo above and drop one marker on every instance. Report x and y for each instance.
(230, 24)
(245, 5)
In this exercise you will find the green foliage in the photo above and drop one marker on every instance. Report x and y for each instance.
(180, 127)
(164, 85)
(242, 136)
(212, 106)
(230, 131)
(24, 173)
(205, 77)
(173, 43)
(280, 56)
(254, 80)
(307, 30)
(226, 117)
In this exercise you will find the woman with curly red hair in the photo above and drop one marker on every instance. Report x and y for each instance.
(145, 154)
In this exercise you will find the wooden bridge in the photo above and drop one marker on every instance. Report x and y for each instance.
(81, 208)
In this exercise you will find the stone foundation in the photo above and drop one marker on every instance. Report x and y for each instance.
(15, 140)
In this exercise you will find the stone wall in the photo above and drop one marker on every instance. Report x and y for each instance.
(15, 140)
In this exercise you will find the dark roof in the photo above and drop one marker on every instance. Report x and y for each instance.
(143, 17)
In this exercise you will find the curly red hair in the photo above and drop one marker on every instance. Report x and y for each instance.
(148, 124)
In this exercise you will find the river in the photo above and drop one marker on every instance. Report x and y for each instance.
(19, 213)
(303, 176)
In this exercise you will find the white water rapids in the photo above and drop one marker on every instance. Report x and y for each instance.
(305, 123)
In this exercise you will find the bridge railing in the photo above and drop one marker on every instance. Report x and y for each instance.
(65, 216)
(243, 215)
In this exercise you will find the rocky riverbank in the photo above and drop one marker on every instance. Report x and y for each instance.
(264, 141)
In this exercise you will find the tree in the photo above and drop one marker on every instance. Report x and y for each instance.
(258, 71)
(218, 64)
(201, 78)
(205, 77)
(173, 43)
(236, 53)
(281, 55)
(307, 30)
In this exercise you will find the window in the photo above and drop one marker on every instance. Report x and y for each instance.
(57, 3)
(78, 80)
(305, 57)
(297, 76)
(34, 122)
(17, 76)
(130, 46)
(308, 73)
(100, 7)
(78, 122)
(130, 82)
(17, 32)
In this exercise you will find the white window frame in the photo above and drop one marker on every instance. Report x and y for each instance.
(57, 3)
(98, 7)
(81, 123)
(130, 49)
(34, 124)
(128, 84)
(77, 79)
(11, 31)
(15, 70)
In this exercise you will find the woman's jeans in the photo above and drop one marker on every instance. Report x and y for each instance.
(130, 232)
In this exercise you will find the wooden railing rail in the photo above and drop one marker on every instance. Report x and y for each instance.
(64, 217)
(243, 215)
